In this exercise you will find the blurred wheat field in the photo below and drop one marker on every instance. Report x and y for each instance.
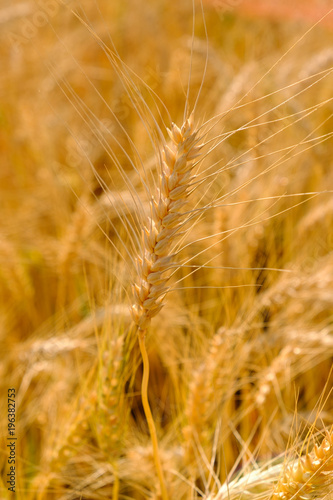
(241, 353)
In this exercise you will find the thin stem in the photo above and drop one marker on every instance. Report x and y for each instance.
(149, 416)
(115, 489)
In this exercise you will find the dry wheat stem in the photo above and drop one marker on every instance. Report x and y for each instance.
(158, 236)
(149, 416)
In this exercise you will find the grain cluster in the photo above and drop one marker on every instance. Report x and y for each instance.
(308, 475)
(165, 222)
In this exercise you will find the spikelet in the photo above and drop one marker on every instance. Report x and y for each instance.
(159, 235)
(310, 475)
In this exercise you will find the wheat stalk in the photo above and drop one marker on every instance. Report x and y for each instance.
(158, 237)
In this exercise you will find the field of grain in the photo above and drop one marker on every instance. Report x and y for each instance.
(166, 203)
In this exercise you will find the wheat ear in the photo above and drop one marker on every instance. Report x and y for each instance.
(310, 475)
(159, 235)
